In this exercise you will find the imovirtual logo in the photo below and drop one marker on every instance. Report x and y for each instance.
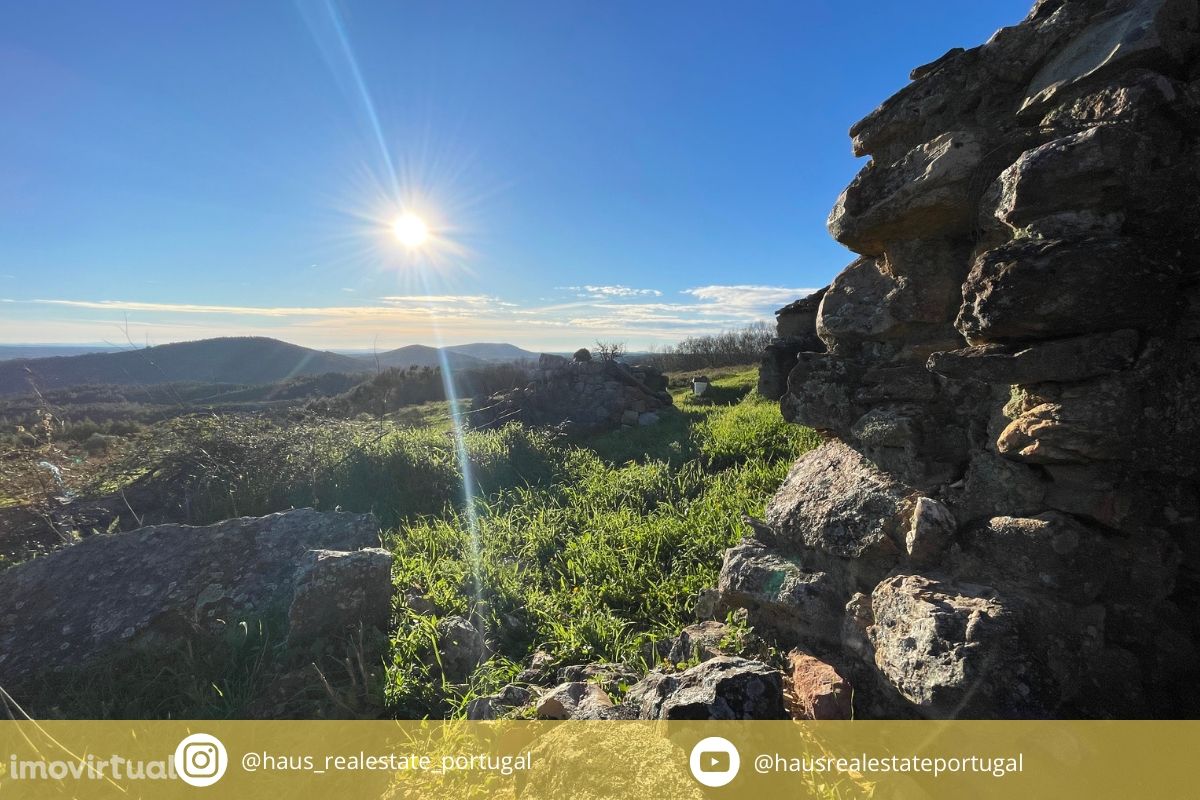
(715, 761)
(201, 760)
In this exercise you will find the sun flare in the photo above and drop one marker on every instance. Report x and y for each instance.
(410, 230)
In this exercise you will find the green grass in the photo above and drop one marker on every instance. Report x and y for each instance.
(593, 566)
(587, 548)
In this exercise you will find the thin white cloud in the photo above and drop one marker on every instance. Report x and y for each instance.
(747, 295)
(601, 292)
(445, 299)
(614, 313)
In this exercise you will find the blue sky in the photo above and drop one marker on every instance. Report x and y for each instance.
(638, 171)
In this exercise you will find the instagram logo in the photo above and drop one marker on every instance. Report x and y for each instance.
(201, 759)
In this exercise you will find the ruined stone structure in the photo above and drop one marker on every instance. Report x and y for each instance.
(584, 394)
(795, 333)
(1003, 519)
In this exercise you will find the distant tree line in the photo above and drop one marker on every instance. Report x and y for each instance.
(724, 349)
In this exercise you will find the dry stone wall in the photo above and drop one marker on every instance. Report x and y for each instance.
(1004, 518)
(581, 394)
(795, 333)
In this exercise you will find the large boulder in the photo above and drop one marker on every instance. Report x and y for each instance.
(110, 596)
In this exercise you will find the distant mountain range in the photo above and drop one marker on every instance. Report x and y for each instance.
(237, 360)
(458, 356)
(9, 351)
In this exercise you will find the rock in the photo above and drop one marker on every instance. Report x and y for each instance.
(482, 708)
(494, 705)
(796, 332)
(941, 645)
(648, 418)
(460, 648)
(835, 501)
(336, 592)
(996, 485)
(725, 687)
(930, 532)
(540, 671)
(414, 600)
(1079, 423)
(817, 691)
(819, 392)
(967, 88)
(928, 192)
(701, 641)
(798, 319)
(574, 700)
(163, 585)
(1050, 552)
(707, 604)
(1133, 97)
(1151, 31)
(1089, 182)
(778, 593)
(613, 678)
(1035, 289)
(1063, 360)
(513, 696)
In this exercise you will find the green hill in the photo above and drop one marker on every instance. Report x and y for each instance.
(242, 360)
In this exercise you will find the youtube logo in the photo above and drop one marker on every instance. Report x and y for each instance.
(714, 761)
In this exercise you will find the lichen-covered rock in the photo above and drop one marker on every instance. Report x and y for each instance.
(338, 592)
(940, 645)
(494, 705)
(113, 595)
(701, 641)
(779, 594)
(837, 502)
(574, 700)
(726, 687)
(460, 648)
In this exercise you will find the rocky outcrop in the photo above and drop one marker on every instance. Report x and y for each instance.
(581, 394)
(1003, 520)
(795, 333)
(161, 586)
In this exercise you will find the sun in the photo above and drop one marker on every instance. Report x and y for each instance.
(410, 230)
